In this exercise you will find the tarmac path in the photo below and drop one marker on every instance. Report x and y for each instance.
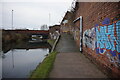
(70, 63)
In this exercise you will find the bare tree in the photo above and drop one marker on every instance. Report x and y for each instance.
(73, 5)
(44, 27)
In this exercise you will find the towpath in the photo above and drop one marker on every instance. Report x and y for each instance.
(70, 63)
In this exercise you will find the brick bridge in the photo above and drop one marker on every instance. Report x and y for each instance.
(44, 33)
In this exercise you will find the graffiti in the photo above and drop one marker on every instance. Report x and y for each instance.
(113, 59)
(106, 21)
(105, 40)
(76, 34)
(89, 38)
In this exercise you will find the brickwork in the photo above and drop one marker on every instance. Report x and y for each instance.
(67, 22)
(53, 31)
(54, 28)
(101, 33)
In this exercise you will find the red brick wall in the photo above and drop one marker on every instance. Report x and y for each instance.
(97, 15)
(66, 27)
(54, 28)
(52, 31)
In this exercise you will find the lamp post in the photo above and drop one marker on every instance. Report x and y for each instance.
(12, 49)
(49, 20)
(12, 19)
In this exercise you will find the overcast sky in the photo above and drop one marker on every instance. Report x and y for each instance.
(33, 13)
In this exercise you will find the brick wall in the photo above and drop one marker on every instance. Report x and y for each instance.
(53, 31)
(67, 22)
(101, 33)
(54, 28)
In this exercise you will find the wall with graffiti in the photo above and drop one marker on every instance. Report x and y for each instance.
(105, 40)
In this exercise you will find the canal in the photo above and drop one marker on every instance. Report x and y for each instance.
(20, 59)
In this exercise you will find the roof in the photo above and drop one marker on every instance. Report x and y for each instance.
(53, 26)
(66, 16)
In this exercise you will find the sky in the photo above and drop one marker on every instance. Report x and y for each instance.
(32, 14)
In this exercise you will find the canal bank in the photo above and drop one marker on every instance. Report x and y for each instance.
(43, 69)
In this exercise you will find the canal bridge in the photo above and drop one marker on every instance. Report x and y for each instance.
(43, 33)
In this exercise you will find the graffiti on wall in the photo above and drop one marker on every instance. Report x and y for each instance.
(105, 40)
(76, 34)
(89, 38)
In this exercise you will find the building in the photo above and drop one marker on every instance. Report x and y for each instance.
(67, 22)
(100, 37)
(54, 31)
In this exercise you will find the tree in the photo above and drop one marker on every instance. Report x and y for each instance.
(44, 27)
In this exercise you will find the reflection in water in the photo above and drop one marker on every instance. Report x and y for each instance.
(12, 58)
(25, 45)
(22, 59)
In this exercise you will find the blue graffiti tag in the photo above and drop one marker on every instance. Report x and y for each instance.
(103, 41)
(118, 36)
(106, 21)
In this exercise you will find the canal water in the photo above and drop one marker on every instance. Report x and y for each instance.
(19, 60)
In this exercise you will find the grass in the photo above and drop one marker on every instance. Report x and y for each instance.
(43, 69)
(51, 41)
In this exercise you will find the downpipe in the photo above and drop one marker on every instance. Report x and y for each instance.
(81, 31)
(81, 37)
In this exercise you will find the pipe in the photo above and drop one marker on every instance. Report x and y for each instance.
(76, 19)
(80, 18)
(81, 34)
